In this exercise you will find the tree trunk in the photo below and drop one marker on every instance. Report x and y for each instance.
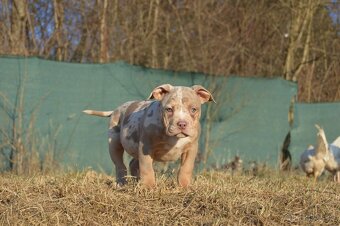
(103, 57)
(309, 20)
(301, 26)
(18, 151)
(58, 22)
(18, 28)
(154, 63)
(207, 148)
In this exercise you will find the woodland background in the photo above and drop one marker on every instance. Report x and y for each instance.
(297, 40)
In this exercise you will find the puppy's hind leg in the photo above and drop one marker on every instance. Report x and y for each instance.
(134, 168)
(116, 152)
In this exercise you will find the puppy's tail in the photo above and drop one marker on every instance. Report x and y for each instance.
(98, 113)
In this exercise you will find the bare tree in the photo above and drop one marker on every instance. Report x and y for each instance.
(300, 32)
(58, 23)
(17, 36)
(21, 138)
(103, 53)
(199, 36)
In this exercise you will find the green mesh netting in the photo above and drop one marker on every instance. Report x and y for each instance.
(249, 119)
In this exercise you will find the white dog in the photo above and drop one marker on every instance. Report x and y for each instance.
(313, 160)
(333, 164)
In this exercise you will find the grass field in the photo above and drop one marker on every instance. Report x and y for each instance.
(215, 198)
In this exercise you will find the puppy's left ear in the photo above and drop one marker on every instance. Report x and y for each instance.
(159, 92)
(203, 94)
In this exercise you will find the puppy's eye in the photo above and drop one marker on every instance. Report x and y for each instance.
(168, 109)
(193, 110)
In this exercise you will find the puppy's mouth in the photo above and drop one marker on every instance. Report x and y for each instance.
(178, 134)
(181, 135)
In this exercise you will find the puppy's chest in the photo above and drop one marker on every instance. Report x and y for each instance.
(170, 150)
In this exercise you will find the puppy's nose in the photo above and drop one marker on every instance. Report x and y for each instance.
(182, 124)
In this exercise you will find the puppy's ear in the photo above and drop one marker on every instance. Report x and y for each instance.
(203, 94)
(159, 92)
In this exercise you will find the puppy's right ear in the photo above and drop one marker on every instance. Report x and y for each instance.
(159, 92)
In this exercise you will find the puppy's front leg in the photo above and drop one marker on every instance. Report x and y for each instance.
(337, 176)
(187, 166)
(147, 174)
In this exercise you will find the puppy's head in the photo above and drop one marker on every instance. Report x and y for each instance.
(181, 108)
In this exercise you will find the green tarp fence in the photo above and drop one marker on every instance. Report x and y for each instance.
(249, 119)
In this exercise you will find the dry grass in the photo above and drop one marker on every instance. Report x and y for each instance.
(90, 198)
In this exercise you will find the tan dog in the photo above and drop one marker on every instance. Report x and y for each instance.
(162, 130)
